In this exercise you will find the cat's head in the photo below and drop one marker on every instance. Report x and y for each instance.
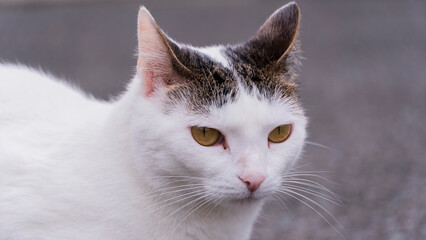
(222, 122)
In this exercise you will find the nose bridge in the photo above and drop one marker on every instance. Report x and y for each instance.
(252, 169)
(252, 157)
(249, 153)
(249, 147)
(247, 140)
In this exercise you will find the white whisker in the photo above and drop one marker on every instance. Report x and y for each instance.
(220, 201)
(282, 203)
(185, 196)
(292, 193)
(314, 193)
(308, 175)
(166, 190)
(201, 196)
(316, 185)
(319, 145)
(177, 176)
(193, 209)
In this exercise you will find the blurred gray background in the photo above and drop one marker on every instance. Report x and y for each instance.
(363, 83)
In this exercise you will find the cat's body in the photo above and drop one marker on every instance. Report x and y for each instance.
(72, 167)
(66, 172)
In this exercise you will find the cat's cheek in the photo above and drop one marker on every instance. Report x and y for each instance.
(281, 157)
(206, 162)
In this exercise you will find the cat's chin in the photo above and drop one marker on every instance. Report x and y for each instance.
(250, 199)
(248, 202)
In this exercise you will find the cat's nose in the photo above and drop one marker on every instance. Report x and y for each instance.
(252, 180)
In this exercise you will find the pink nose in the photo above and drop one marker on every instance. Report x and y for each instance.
(252, 181)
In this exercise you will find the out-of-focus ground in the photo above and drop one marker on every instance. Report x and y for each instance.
(363, 83)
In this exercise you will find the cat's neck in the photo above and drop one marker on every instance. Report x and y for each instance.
(222, 222)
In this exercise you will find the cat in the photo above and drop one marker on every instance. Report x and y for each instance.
(200, 139)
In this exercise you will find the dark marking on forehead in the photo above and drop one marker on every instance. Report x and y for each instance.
(258, 70)
(268, 61)
(204, 81)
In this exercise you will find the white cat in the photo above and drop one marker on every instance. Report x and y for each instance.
(199, 141)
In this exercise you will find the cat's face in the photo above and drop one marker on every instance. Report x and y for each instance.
(221, 123)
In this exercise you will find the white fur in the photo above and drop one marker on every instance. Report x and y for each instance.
(75, 168)
(72, 167)
(215, 53)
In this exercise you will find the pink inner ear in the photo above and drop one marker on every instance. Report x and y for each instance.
(148, 82)
(154, 58)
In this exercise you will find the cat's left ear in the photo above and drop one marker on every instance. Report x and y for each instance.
(157, 62)
(277, 36)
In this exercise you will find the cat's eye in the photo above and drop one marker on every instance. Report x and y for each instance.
(205, 136)
(280, 133)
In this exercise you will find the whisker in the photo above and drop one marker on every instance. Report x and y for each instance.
(292, 193)
(176, 187)
(193, 209)
(282, 203)
(161, 193)
(316, 185)
(185, 196)
(319, 145)
(314, 193)
(291, 173)
(308, 175)
(300, 166)
(219, 202)
(177, 176)
(200, 196)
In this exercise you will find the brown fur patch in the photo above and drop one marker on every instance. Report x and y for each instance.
(205, 82)
(266, 63)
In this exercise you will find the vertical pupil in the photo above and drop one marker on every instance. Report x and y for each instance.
(204, 131)
(279, 130)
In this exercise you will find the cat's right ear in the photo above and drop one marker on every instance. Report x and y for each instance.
(276, 37)
(157, 60)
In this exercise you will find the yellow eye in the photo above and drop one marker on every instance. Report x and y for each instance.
(280, 133)
(205, 136)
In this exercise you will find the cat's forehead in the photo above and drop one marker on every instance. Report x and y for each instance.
(248, 113)
(218, 75)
